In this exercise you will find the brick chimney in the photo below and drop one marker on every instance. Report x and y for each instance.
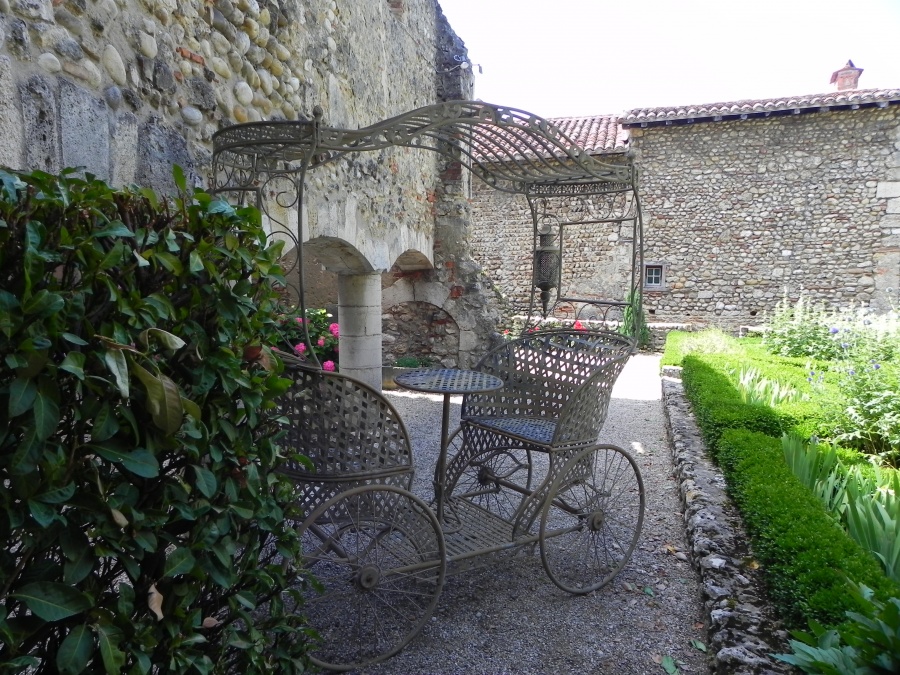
(847, 77)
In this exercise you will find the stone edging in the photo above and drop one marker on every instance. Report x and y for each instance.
(742, 628)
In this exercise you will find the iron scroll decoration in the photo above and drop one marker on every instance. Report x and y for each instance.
(509, 149)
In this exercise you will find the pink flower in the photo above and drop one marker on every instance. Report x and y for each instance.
(578, 326)
(328, 365)
(321, 342)
(299, 320)
(300, 347)
(335, 329)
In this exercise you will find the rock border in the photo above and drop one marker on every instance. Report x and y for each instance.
(743, 629)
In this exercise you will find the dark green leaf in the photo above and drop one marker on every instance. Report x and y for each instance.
(115, 229)
(74, 339)
(46, 414)
(206, 481)
(105, 424)
(163, 400)
(24, 459)
(43, 303)
(74, 363)
(178, 176)
(57, 496)
(118, 366)
(196, 262)
(43, 514)
(75, 651)
(180, 561)
(22, 393)
(113, 657)
(170, 262)
(169, 341)
(142, 463)
(114, 258)
(53, 601)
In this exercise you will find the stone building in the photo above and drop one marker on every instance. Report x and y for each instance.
(127, 88)
(742, 202)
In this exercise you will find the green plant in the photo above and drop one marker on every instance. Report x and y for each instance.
(143, 519)
(806, 556)
(802, 329)
(322, 332)
(867, 644)
(634, 321)
(758, 390)
(870, 419)
(819, 470)
(709, 341)
(872, 515)
(412, 362)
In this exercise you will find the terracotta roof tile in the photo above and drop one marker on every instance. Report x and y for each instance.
(596, 134)
(858, 97)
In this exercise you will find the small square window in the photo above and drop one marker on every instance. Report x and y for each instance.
(654, 276)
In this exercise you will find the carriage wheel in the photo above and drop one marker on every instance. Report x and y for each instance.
(481, 481)
(592, 519)
(377, 557)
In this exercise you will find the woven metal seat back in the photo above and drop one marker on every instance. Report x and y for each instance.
(348, 430)
(563, 375)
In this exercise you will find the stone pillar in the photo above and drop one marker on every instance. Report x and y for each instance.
(359, 312)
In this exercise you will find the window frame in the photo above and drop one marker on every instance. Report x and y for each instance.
(661, 266)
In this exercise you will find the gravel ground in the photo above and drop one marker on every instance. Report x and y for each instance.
(510, 618)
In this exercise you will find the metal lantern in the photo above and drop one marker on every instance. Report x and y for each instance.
(547, 260)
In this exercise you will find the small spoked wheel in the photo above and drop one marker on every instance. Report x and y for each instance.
(378, 560)
(592, 519)
(490, 479)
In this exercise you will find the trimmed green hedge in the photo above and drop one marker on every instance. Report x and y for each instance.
(806, 556)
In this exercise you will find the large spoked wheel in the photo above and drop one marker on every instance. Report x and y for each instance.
(592, 519)
(377, 554)
(495, 480)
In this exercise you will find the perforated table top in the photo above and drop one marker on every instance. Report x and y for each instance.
(448, 381)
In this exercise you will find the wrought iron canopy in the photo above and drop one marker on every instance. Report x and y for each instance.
(511, 150)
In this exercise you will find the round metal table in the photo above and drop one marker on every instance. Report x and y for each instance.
(449, 382)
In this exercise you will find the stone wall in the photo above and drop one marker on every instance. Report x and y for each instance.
(126, 88)
(738, 212)
(596, 257)
(741, 212)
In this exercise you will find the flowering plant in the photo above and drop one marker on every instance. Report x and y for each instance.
(323, 335)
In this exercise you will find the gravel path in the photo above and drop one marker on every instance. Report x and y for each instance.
(512, 619)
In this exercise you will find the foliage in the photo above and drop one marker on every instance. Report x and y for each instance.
(819, 470)
(867, 644)
(870, 419)
(323, 335)
(634, 321)
(710, 341)
(758, 390)
(872, 515)
(143, 521)
(412, 362)
(805, 555)
(802, 329)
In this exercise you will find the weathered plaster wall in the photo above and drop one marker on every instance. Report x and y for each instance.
(742, 211)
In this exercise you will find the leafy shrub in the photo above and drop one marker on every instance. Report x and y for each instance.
(870, 419)
(323, 335)
(868, 643)
(806, 556)
(143, 521)
(710, 341)
(802, 329)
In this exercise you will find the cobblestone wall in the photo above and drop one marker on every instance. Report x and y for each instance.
(126, 88)
(737, 213)
(596, 256)
(742, 211)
